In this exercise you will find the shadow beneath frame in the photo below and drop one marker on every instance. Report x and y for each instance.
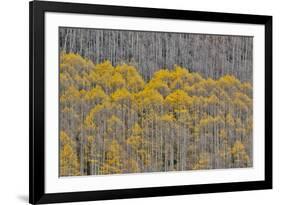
(23, 198)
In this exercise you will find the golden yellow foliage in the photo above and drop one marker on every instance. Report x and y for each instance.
(178, 99)
(69, 164)
(96, 95)
(136, 129)
(202, 163)
(167, 118)
(112, 121)
(113, 162)
(149, 98)
(122, 96)
(239, 154)
(117, 81)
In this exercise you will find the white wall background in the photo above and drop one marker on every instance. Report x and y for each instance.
(14, 44)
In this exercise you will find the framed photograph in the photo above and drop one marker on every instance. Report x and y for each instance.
(130, 102)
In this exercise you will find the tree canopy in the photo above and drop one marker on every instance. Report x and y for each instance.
(114, 121)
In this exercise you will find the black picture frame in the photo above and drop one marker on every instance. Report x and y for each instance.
(37, 9)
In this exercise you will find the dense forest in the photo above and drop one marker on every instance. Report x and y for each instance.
(210, 55)
(117, 118)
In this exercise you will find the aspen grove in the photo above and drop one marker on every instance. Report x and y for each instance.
(115, 121)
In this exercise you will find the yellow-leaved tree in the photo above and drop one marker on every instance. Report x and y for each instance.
(69, 164)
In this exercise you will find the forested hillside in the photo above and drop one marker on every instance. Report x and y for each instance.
(113, 120)
(209, 55)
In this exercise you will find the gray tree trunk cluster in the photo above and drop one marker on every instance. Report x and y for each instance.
(210, 55)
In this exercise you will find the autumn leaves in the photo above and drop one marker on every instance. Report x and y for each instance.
(113, 122)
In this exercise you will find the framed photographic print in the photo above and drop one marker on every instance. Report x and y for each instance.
(140, 102)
